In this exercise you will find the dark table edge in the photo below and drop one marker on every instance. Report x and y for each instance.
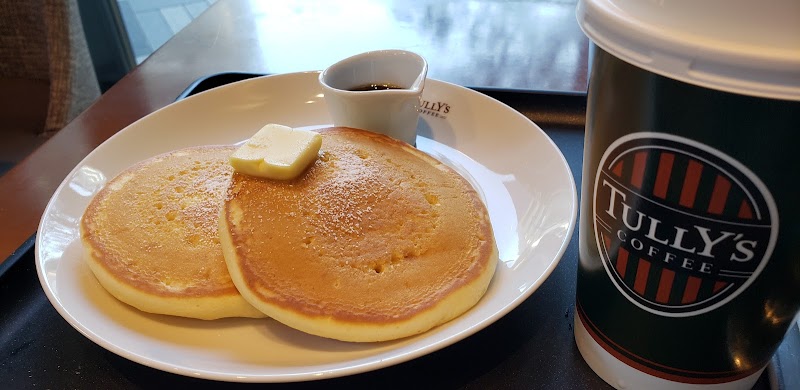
(219, 79)
(18, 253)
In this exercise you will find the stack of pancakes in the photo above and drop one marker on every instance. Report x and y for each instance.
(374, 241)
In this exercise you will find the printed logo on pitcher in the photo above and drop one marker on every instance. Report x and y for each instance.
(681, 227)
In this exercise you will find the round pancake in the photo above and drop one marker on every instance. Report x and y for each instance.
(374, 241)
(150, 236)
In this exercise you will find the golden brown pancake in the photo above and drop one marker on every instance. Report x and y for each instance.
(150, 236)
(374, 241)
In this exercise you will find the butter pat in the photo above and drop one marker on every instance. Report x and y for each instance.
(277, 152)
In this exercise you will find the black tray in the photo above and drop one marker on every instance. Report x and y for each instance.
(530, 348)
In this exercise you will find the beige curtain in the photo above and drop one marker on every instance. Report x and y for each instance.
(42, 43)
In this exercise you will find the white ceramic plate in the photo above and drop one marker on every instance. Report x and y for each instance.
(522, 176)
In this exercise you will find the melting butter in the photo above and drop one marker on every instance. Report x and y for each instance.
(277, 152)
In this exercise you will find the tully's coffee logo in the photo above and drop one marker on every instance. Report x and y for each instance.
(434, 109)
(682, 228)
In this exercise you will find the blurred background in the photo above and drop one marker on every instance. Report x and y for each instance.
(150, 23)
(59, 56)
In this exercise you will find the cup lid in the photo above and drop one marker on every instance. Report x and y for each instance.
(741, 46)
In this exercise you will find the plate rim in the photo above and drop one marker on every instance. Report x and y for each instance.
(315, 373)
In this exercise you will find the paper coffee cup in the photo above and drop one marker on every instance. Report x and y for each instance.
(687, 276)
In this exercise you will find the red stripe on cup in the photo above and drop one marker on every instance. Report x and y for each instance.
(690, 183)
(637, 177)
(719, 195)
(663, 174)
(745, 212)
(691, 290)
(617, 169)
(665, 286)
(719, 286)
(642, 271)
(622, 262)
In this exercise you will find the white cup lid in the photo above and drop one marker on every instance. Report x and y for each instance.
(741, 46)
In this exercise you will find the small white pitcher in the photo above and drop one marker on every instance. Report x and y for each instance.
(393, 112)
